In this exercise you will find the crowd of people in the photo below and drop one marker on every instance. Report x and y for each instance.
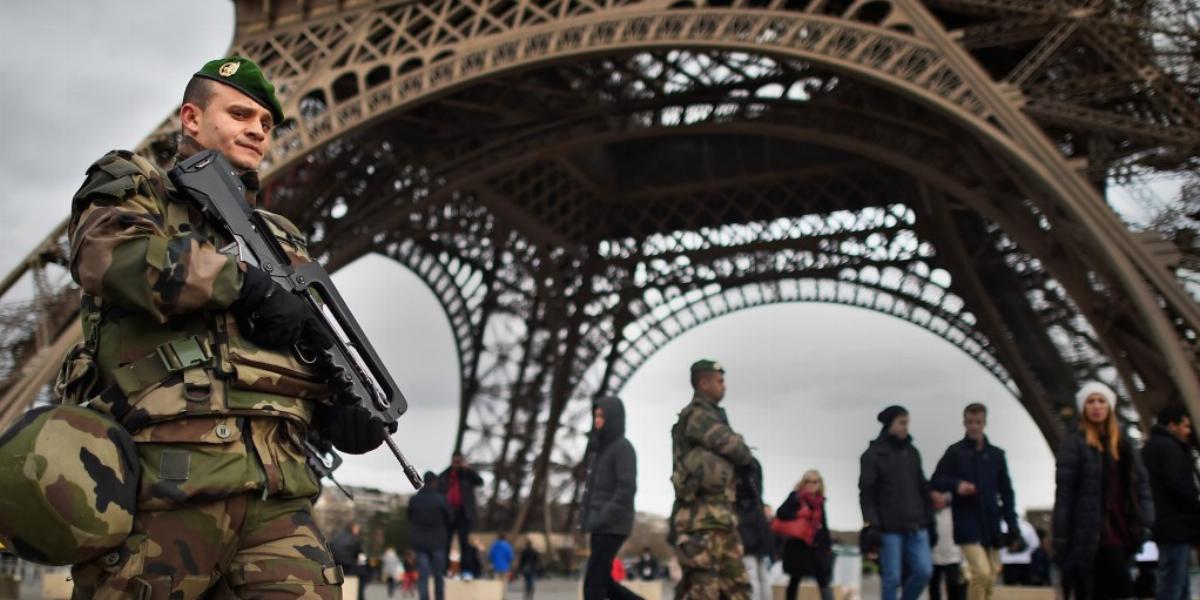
(955, 534)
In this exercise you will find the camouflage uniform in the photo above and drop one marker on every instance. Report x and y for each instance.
(704, 453)
(225, 492)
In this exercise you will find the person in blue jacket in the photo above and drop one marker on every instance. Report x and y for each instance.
(501, 556)
(976, 473)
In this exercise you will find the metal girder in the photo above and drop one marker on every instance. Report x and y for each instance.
(579, 182)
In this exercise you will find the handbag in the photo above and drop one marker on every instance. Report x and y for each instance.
(798, 528)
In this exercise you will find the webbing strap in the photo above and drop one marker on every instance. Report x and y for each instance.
(167, 358)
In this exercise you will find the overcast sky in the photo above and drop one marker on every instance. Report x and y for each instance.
(805, 381)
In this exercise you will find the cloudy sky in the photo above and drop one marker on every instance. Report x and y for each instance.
(805, 381)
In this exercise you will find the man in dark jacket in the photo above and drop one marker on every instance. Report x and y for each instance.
(345, 547)
(976, 473)
(754, 529)
(896, 507)
(458, 483)
(1168, 460)
(607, 512)
(429, 522)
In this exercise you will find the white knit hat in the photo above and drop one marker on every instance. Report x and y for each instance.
(1095, 387)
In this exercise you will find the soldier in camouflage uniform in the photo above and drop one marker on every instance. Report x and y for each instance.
(193, 354)
(705, 453)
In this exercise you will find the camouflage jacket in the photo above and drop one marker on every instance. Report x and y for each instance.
(213, 414)
(704, 453)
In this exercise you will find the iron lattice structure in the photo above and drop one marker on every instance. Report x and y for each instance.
(581, 181)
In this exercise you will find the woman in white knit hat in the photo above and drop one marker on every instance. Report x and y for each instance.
(1102, 506)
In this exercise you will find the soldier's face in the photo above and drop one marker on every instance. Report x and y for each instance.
(713, 386)
(232, 123)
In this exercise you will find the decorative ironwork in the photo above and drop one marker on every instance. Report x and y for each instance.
(580, 182)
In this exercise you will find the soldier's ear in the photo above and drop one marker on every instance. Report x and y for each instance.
(190, 116)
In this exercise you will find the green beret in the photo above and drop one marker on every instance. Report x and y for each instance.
(705, 364)
(245, 76)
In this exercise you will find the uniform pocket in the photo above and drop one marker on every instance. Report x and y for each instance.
(185, 458)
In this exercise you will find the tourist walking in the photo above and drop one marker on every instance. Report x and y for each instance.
(754, 527)
(896, 507)
(976, 473)
(429, 522)
(647, 566)
(501, 556)
(346, 548)
(1102, 501)
(391, 570)
(530, 562)
(947, 556)
(1168, 458)
(607, 506)
(807, 547)
(1017, 562)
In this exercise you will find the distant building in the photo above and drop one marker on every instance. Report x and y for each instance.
(333, 510)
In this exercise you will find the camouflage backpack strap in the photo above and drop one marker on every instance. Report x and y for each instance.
(79, 376)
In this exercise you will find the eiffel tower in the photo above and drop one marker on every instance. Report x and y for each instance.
(582, 181)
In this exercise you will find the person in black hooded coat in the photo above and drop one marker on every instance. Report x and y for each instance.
(607, 512)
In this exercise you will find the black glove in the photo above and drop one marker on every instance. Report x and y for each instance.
(266, 314)
(870, 540)
(350, 428)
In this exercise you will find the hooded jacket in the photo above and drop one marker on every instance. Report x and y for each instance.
(612, 478)
(892, 489)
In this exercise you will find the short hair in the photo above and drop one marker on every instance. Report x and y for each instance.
(975, 408)
(1172, 415)
(698, 376)
(430, 478)
(199, 91)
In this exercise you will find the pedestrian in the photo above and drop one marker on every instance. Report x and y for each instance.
(411, 573)
(807, 547)
(1017, 562)
(391, 570)
(754, 527)
(346, 546)
(1102, 501)
(647, 566)
(896, 506)
(947, 556)
(1168, 458)
(501, 556)
(458, 483)
(429, 522)
(195, 348)
(607, 505)
(975, 472)
(703, 526)
(529, 568)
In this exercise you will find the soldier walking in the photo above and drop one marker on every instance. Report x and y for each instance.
(192, 351)
(705, 454)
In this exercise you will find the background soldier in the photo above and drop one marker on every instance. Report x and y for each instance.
(705, 452)
(193, 351)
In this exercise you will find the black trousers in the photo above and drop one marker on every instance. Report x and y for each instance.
(461, 527)
(598, 583)
(1106, 578)
(951, 576)
(1017, 574)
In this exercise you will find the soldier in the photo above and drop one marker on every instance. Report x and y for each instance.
(193, 352)
(705, 453)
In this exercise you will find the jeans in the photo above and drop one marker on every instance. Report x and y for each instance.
(530, 579)
(911, 550)
(598, 583)
(431, 562)
(1173, 577)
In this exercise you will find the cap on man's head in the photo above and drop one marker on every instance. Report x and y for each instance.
(705, 365)
(245, 76)
(889, 414)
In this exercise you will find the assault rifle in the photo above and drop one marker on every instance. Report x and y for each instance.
(350, 366)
